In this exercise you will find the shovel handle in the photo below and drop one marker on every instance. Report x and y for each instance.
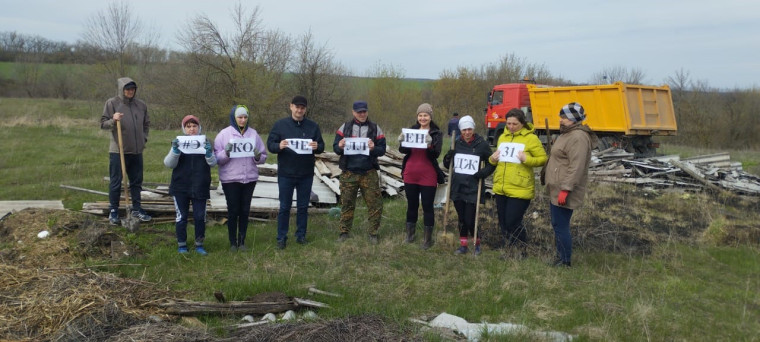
(125, 185)
(448, 190)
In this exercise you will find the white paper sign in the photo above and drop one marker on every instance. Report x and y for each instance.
(414, 138)
(243, 147)
(192, 144)
(508, 152)
(300, 146)
(356, 146)
(466, 164)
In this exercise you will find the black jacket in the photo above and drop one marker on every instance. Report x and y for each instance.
(465, 187)
(191, 177)
(355, 129)
(290, 163)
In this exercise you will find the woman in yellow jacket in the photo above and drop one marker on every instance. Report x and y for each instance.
(519, 151)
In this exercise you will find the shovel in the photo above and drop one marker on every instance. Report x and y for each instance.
(477, 210)
(130, 222)
(446, 237)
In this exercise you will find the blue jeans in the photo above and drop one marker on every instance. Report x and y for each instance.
(181, 206)
(302, 186)
(561, 224)
(134, 166)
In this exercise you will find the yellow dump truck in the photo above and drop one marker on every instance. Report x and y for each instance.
(623, 115)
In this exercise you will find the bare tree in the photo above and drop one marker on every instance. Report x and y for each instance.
(245, 66)
(611, 75)
(322, 80)
(116, 31)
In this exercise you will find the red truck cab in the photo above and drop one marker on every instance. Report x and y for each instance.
(501, 99)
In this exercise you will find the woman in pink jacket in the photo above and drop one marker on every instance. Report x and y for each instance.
(238, 175)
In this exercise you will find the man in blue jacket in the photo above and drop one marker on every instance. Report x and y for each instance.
(295, 140)
(360, 170)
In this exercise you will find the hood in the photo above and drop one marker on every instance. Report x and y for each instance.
(582, 127)
(120, 83)
(525, 130)
(233, 123)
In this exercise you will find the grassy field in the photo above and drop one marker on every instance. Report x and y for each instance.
(679, 291)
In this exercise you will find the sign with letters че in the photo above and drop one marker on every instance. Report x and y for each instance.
(243, 147)
(356, 146)
(508, 152)
(300, 146)
(414, 138)
(192, 144)
(466, 164)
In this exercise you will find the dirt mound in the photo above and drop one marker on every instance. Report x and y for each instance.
(73, 236)
(625, 219)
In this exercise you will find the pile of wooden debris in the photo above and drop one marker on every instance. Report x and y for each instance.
(265, 202)
(715, 172)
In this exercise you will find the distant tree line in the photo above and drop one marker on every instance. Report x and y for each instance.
(264, 68)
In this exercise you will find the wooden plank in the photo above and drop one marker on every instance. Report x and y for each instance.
(8, 206)
(335, 171)
(70, 187)
(392, 170)
(322, 168)
(325, 193)
(391, 181)
(333, 185)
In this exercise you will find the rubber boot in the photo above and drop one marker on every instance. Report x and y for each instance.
(428, 242)
(410, 230)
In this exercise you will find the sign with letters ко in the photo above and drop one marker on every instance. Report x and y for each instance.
(192, 144)
(414, 138)
(300, 146)
(356, 146)
(243, 147)
(508, 152)
(466, 164)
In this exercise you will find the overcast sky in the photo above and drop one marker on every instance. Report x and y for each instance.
(714, 41)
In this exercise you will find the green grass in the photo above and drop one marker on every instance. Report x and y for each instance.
(678, 292)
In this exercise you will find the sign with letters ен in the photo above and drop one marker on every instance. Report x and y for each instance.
(243, 147)
(356, 146)
(192, 144)
(508, 152)
(300, 146)
(414, 138)
(466, 164)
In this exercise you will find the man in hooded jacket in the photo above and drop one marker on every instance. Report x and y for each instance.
(135, 124)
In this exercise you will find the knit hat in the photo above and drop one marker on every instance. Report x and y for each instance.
(190, 118)
(573, 111)
(425, 108)
(466, 122)
(240, 111)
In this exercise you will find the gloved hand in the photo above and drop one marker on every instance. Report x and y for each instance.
(401, 137)
(175, 146)
(428, 139)
(209, 149)
(228, 149)
(256, 154)
(562, 198)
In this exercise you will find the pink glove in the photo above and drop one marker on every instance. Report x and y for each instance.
(562, 198)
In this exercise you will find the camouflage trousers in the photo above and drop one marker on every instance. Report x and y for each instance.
(369, 183)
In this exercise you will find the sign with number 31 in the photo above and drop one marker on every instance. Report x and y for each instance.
(508, 152)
